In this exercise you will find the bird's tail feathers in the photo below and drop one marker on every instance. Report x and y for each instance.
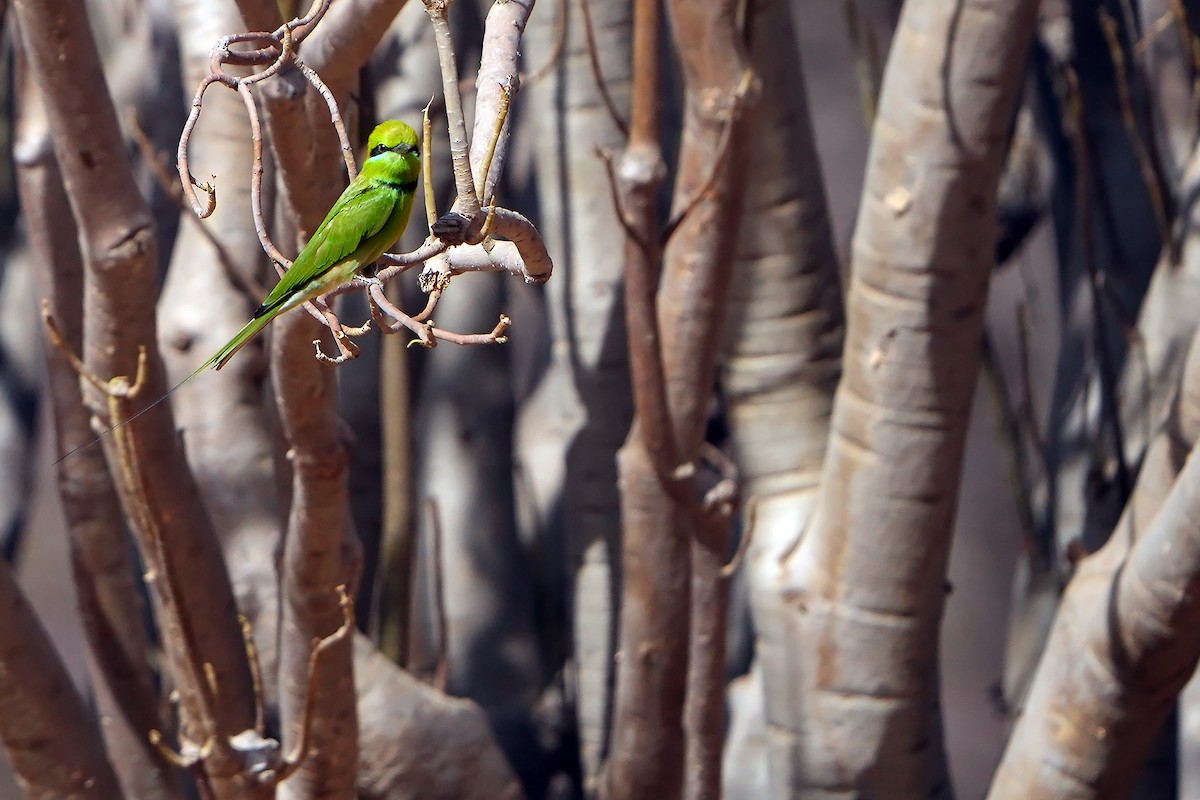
(222, 356)
(219, 359)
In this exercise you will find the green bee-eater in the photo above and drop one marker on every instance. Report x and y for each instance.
(367, 219)
(364, 222)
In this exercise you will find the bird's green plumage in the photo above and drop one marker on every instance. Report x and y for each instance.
(364, 222)
(367, 219)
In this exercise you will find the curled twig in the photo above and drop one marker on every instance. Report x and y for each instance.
(739, 555)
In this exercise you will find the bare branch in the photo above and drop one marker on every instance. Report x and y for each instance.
(48, 733)
(468, 201)
(158, 494)
(102, 566)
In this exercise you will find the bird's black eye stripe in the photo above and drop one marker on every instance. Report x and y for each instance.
(403, 148)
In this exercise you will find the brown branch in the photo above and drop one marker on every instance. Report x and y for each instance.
(704, 710)
(47, 731)
(101, 564)
(118, 247)
(316, 561)
(640, 173)
(314, 685)
(672, 383)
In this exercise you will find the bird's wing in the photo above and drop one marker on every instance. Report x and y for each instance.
(360, 213)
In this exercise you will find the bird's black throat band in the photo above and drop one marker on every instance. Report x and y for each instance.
(410, 186)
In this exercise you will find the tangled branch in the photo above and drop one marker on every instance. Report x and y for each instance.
(476, 236)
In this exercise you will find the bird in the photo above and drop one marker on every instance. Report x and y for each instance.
(365, 221)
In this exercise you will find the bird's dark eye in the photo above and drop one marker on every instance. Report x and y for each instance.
(377, 149)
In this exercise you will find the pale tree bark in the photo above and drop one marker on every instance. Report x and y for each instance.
(1164, 327)
(444, 752)
(580, 412)
(1168, 69)
(1165, 324)
(781, 358)
(1107, 243)
(868, 577)
(1106, 681)
(745, 774)
(1164, 115)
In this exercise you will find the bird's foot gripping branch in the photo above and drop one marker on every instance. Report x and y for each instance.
(475, 236)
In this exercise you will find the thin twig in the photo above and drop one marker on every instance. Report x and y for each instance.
(442, 668)
(589, 33)
(560, 44)
(335, 116)
(146, 521)
(256, 176)
(1146, 166)
(495, 336)
(627, 225)
(295, 759)
(490, 153)
(468, 201)
(260, 697)
(718, 163)
(185, 176)
(431, 213)
(381, 305)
